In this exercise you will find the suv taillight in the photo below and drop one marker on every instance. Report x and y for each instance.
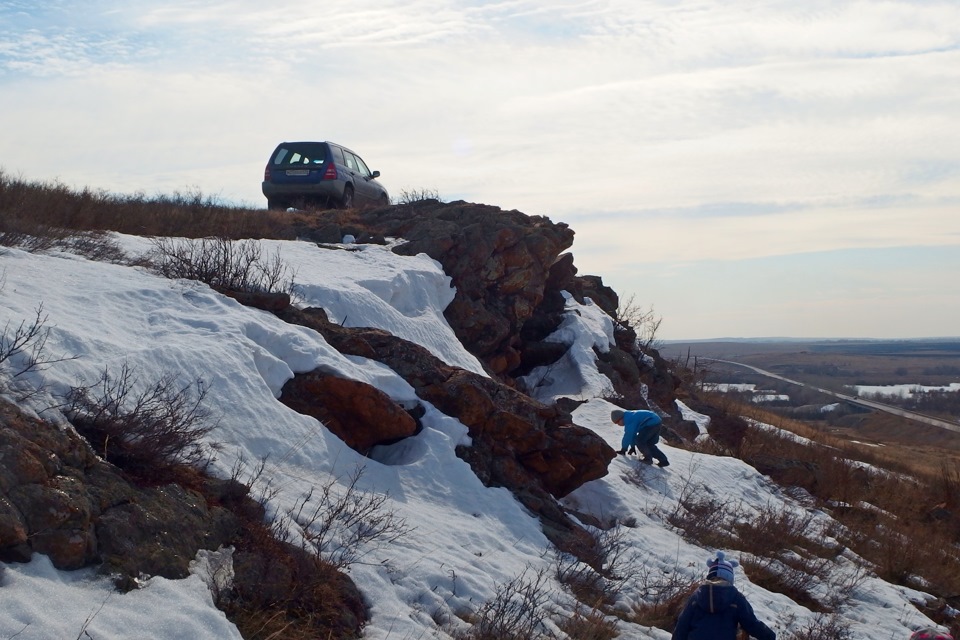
(331, 172)
(266, 173)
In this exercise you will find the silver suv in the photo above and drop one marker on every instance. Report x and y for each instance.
(302, 174)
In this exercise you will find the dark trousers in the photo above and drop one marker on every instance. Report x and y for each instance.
(646, 442)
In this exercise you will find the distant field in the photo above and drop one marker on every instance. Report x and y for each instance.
(835, 363)
(838, 365)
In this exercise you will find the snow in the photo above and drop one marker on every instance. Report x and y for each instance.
(757, 395)
(179, 609)
(702, 421)
(585, 327)
(729, 387)
(465, 539)
(899, 390)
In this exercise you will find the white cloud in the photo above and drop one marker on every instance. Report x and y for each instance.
(827, 124)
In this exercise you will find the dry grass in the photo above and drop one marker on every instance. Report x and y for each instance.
(664, 596)
(589, 624)
(281, 592)
(147, 433)
(46, 209)
(223, 264)
(899, 516)
(823, 627)
(515, 612)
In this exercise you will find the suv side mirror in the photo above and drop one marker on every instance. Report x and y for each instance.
(375, 174)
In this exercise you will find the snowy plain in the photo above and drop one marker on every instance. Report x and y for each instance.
(900, 390)
(465, 540)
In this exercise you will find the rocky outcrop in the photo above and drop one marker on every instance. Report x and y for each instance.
(59, 499)
(509, 270)
(526, 441)
(498, 261)
(533, 449)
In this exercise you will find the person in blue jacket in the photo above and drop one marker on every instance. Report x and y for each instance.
(641, 428)
(717, 609)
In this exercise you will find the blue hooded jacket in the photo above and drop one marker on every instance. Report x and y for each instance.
(634, 422)
(715, 611)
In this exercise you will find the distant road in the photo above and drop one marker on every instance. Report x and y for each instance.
(903, 413)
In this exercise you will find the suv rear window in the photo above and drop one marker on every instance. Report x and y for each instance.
(300, 154)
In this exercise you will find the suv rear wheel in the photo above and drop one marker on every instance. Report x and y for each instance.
(347, 201)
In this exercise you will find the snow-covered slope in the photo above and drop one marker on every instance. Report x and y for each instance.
(465, 539)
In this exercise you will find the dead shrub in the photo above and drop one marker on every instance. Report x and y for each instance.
(414, 196)
(222, 264)
(791, 575)
(31, 238)
(727, 426)
(595, 578)
(702, 518)
(786, 553)
(639, 323)
(22, 351)
(846, 576)
(147, 433)
(282, 592)
(708, 446)
(664, 596)
(947, 485)
(635, 475)
(188, 214)
(282, 589)
(823, 627)
(589, 624)
(586, 585)
(341, 524)
(93, 245)
(516, 611)
(776, 528)
(34, 237)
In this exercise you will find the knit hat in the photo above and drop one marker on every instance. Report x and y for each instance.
(616, 415)
(930, 634)
(720, 568)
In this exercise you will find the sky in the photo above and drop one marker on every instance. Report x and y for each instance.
(465, 540)
(744, 168)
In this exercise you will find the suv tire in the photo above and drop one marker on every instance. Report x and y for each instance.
(347, 200)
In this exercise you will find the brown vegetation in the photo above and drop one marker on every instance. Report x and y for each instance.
(900, 515)
(44, 210)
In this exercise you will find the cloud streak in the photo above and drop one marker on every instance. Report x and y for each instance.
(727, 131)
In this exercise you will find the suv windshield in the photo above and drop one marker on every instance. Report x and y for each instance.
(305, 153)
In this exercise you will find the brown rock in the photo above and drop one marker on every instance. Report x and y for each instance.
(13, 528)
(267, 301)
(517, 441)
(161, 532)
(498, 261)
(359, 414)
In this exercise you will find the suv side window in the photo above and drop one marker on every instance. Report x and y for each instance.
(350, 160)
(337, 154)
(364, 171)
